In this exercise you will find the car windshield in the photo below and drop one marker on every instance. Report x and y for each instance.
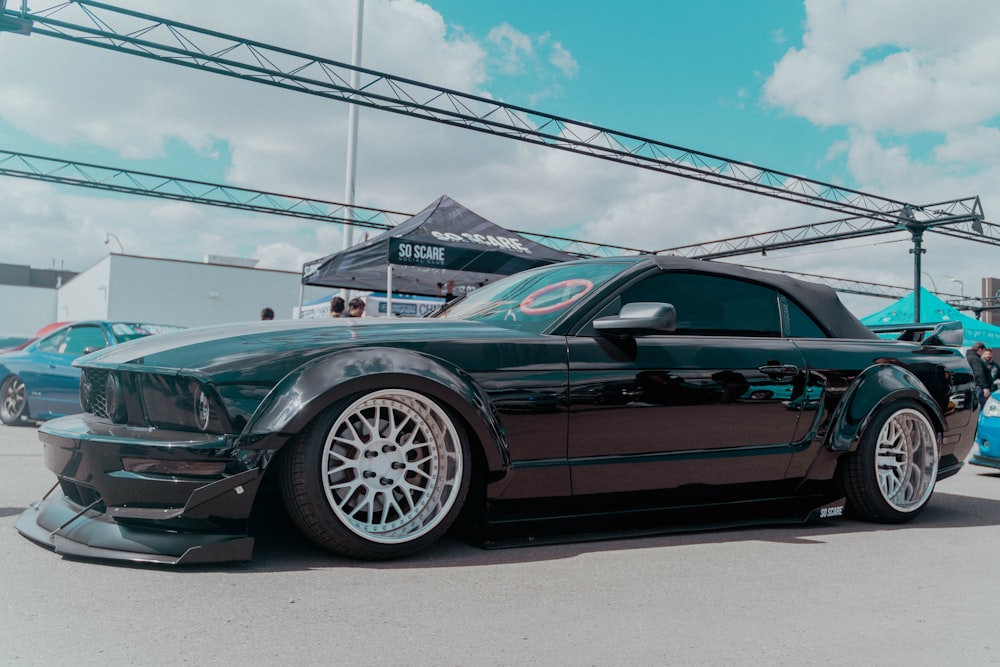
(131, 330)
(532, 300)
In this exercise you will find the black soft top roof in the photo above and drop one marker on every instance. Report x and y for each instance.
(819, 300)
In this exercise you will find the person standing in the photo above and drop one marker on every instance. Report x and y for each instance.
(981, 374)
(448, 295)
(356, 308)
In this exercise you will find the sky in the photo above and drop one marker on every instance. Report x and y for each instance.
(898, 98)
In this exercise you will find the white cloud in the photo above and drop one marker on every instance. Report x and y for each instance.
(893, 65)
(273, 140)
(515, 53)
(270, 139)
(975, 145)
(563, 60)
(914, 89)
(514, 47)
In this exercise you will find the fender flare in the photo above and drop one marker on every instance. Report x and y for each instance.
(313, 387)
(876, 386)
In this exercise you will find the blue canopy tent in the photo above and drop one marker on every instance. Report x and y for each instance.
(933, 309)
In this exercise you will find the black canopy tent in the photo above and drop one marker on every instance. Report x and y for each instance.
(445, 242)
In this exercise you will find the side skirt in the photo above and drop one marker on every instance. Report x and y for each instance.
(506, 531)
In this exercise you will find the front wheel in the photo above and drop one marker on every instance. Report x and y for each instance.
(378, 476)
(13, 401)
(891, 476)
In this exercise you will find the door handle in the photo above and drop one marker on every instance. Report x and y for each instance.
(779, 371)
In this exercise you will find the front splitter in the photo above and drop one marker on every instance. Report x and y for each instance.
(58, 525)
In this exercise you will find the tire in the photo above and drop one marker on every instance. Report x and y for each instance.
(377, 476)
(891, 476)
(13, 401)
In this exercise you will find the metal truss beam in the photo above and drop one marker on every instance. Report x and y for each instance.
(65, 172)
(124, 31)
(964, 218)
(123, 181)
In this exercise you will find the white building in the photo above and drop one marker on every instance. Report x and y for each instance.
(146, 289)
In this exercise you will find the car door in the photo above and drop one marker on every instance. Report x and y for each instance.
(706, 405)
(53, 383)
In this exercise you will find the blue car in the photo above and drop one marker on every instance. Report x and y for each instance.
(11, 342)
(987, 445)
(39, 381)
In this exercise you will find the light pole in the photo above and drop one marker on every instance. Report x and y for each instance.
(352, 125)
(961, 285)
(107, 239)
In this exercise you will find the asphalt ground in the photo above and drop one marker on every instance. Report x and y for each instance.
(839, 593)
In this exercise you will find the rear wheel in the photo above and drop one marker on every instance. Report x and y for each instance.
(379, 476)
(13, 401)
(891, 476)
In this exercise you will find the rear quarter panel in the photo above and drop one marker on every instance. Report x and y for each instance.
(858, 376)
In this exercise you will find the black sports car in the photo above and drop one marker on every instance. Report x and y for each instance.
(611, 386)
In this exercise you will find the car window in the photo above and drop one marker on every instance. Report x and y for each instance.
(82, 339)
(52, 343)
(796, 323)
(709, 305)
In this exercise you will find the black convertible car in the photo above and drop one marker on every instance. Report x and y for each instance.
(610, 387)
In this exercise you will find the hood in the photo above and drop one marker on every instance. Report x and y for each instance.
(270, 348)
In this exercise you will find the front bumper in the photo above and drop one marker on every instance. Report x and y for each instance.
(987, 447)
(100, 509)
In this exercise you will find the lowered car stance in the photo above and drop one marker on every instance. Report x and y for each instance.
(640, 386)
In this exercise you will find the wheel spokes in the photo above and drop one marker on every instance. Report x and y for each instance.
(13, 397)
(906, 459)
(381, 464)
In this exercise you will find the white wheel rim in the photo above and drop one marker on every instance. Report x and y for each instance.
(906, 460)
(392, 466)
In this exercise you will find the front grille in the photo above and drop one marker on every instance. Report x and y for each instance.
(94, 397)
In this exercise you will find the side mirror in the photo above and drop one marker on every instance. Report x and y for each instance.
(636, 319)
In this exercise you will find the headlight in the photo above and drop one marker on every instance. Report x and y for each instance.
(992, 407)
(114, 399)
(183, 403)
(202, 409)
